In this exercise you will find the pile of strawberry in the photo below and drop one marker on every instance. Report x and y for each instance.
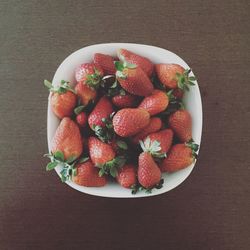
(124, 120)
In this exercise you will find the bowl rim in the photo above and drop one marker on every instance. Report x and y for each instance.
(129, 195)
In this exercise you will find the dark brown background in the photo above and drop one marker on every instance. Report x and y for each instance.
(210, 210)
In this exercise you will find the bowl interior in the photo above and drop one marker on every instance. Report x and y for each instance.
(192, 102)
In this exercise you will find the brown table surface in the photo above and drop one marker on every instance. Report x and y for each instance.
(210, 210)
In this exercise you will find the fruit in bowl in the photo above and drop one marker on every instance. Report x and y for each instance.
(124, 120)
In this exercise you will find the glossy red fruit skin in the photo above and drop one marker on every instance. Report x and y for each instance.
(82, 119)
(126, 176)
(124, 101)
(167, 74)
(179, 157)
(63, 104)
(88, 175)
(67, 139)
(155, 103)
(85, 69)
(181, 123)
(149, 173)
(130, 121)
(106, 62)
(85, 93)
(164, 137)
(136, 82)
(144, 63)
(100, 152)
(103, 109)
(154, 125)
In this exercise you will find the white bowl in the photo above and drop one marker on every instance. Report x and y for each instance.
(192, 100)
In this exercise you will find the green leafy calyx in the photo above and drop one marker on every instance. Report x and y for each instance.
(94, 80)
(184, 81)
(112, 167)
(152, 147)
(193, 146)
(68, 166)
(105, 133)
(120, 66)
(62, 88)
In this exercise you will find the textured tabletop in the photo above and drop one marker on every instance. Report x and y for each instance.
(210, 210)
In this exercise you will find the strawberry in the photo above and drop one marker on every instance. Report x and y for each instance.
(124, 101)
(181, 122)
(174, 76)
(130, 121)
(180, 156)
(133, 79)
(178, 94)
(164, 137)
(144, 63)
(126, 176)
(103, 156)
(87, 175)
(155, 103)
(82, 119)
(154, 125)
(100, 152)
(106, 62)
(102, 110)
(85, 93)
(90, 74)
(62, 100)
(149, 173)
(67, 140)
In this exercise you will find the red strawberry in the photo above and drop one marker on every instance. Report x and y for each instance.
(149, 173)
(90, 74)
(130, 121)
(178, 93)
(87, 175)
(180, 156)
(134, 80)
(154, 125)
(62, 100)
(100, 152)
(155, 103)
(103, 109)
(82, 119)
(124, 101)
(174, 75)
(85, 93)
(106, 62)
(144, 63)
(181, 123)
(67, 139)
(126, 176)
(167, 74)
(164, 137)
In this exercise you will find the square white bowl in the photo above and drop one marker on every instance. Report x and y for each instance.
(192, 101)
